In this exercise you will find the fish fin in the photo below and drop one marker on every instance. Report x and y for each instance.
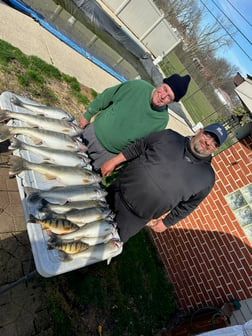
(85, 181)
(64, 256)
(47, 160)
(5, 133)
(51, 234)
(109, 260)
(81, 155)
(17, 165)
(36, 141)
(50, 177)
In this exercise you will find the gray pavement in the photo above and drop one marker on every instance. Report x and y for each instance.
(23, 310)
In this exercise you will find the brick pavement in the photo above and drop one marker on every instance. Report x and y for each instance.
(23, 307)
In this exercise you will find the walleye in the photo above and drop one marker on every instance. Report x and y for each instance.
(63, 174)
(73, 247)
(47, 111)
(61, 209)
(98, 252)
(50, 139)
(58, 226)
(50, 155)
(90, 241)
(50, 124)
(62, 195)
(98, 228)
(83, 216)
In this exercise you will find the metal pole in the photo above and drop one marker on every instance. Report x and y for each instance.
(28, 276)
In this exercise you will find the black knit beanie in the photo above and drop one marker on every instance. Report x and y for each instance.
(178, 84)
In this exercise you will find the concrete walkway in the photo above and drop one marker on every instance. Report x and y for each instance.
(26, 34)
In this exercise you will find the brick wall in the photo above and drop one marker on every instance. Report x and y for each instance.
(207, 256)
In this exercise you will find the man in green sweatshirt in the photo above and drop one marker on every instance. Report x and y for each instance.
(126, 112)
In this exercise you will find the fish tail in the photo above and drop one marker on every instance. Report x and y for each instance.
(44, 202)
(50, 246)
(17, 165)
(5, 133)
(111, 216)
(30, 190)
(44, 207)
(45, 224)
(16, 101)
(15, 144)
(32, 219)
(4, 115)
(34, 198)
(53, 240)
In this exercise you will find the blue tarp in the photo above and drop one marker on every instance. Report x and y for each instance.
(21, 6)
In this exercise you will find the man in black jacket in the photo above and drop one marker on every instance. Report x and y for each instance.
(166, 172)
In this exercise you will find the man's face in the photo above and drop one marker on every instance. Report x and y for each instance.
(203, 143)
(162, 95)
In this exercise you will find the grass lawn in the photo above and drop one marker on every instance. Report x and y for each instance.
(131, 296)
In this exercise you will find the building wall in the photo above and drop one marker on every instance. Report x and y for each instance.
(148, 27)
(207, 256)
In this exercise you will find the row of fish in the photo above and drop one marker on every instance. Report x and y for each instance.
(75, 214)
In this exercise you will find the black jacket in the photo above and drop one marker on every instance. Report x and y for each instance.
(163, 176)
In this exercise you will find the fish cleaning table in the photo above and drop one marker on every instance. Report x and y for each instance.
(48, 262)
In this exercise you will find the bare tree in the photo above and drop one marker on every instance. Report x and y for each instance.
(210, 38)
(202, 39)
(188, 17)
(173, 9)
(223, 72)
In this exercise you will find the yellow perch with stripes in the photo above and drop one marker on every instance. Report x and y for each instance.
(59, 226)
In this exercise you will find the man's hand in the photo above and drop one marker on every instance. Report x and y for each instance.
(83, 122)
(157, 225)
(111, 164)
(108, 167)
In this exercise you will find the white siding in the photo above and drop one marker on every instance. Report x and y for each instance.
(244, 314)
(147, 23)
